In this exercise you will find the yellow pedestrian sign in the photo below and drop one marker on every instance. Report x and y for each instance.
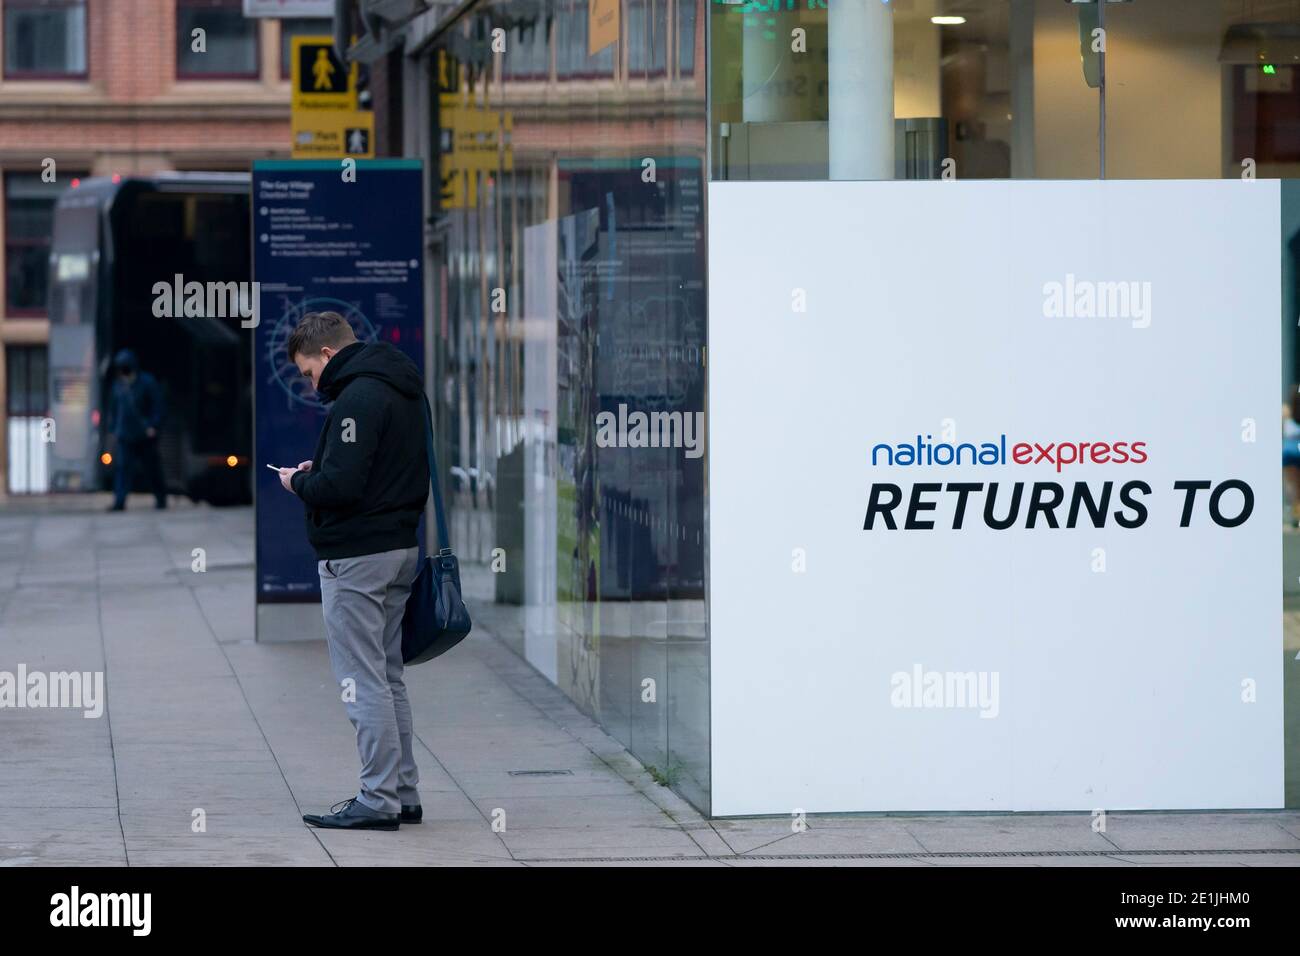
(320, 81)
(325, 122)
(474, 142)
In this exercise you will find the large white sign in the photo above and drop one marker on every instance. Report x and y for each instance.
(994, 496)
(288, 8)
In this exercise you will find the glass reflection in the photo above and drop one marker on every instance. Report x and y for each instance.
(572, 348)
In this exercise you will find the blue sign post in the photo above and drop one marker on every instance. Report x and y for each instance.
(326, 237)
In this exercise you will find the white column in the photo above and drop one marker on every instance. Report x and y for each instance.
(861, 95)
(779, 86)
(1022, 89)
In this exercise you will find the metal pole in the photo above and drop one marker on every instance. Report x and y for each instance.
(1101, 62)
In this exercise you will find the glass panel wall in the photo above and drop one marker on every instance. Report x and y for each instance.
(572, 139)
(571, 347)
(815, 89)
(1005, 89)
(1030, 89)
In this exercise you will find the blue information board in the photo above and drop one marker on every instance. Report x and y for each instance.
(323, 240)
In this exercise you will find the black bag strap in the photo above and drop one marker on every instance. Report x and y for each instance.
(444, 539)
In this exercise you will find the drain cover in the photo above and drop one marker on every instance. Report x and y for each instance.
(540, 773)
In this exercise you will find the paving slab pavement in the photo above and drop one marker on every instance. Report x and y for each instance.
(211, 746)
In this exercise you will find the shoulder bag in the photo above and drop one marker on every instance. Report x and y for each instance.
(436, 619)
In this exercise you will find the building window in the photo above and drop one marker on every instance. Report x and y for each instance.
(45, 39)
(27, 398)
(29, 223)
(532, 52)
(299, 27)
(686, 37)
(230, 49)
(647, 29)
(571, 58)
(25, 374)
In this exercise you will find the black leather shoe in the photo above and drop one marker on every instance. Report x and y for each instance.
(354, 815)
(412, 814)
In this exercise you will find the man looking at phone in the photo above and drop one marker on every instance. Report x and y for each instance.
(365, 488)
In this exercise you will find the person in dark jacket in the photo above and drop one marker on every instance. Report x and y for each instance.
(135, 418)
(364, 489)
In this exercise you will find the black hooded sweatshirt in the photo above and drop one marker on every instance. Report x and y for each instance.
(369, 479)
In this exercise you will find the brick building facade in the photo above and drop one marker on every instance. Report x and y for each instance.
(114, 86)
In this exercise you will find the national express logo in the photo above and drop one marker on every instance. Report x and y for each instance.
(1059, 454)
(1036, 504)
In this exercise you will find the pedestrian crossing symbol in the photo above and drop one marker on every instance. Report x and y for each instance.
(320, 80)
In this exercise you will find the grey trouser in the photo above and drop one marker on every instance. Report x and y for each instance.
(362, 599)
